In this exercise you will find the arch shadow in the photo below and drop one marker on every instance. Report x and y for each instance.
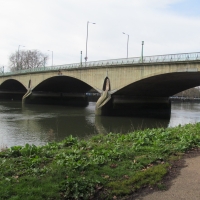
(60, 90)
(12, 90)
(163, 85)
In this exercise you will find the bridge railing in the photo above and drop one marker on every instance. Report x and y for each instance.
(122, 61)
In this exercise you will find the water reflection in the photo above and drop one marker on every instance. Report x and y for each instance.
(184, 113)
(127, 124)
(39, 124)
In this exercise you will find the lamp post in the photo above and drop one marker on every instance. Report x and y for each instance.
(2, 70)
(45, 61)
(87, 40)
(142, 51)
(127, 42)
(51, 55)
(81, 58)
(18, 55)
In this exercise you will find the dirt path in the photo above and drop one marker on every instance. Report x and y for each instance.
(183, 182)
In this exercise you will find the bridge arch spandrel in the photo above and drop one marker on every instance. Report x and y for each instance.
(94, 78)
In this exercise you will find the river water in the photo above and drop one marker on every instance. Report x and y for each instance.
(39, 124)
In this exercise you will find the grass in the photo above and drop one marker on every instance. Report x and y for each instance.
(105, 165)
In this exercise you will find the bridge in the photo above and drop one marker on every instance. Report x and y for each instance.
(129, 86)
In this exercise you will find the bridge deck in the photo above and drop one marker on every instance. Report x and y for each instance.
(159, 59)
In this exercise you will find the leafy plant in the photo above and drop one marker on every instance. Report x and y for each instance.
(76, 188)
(77, 169)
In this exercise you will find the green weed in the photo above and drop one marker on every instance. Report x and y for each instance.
(117, 164)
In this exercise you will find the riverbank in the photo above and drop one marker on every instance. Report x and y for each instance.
(110, 166)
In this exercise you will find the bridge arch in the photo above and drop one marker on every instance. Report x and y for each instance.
(59, 90)
(12, 89)
(65, 84)
(162, 85)
(12, 85)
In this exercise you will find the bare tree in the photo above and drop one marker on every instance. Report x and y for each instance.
(27, 60)
(192, 92)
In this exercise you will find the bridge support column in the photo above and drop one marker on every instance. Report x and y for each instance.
(103, 104)
(56, 99)
(11, 95)
(136, 106)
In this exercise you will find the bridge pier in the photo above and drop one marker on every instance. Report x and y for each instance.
(58, 98)
(158, 107)
(11, 95)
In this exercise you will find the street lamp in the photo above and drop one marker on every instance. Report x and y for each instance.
(81, 58)
(87, 39)
(127, 42)
(52, 56)
(142, 51)
(2, 70)
(45, 61)
(18, 55)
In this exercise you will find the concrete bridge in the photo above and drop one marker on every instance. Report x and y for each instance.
(132, 86)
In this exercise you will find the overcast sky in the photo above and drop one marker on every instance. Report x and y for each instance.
(165, 26)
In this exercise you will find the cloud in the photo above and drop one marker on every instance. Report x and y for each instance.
(61, 25)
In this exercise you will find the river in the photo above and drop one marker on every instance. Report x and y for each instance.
(39, 124)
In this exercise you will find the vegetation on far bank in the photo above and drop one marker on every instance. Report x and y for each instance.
(105, 166)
